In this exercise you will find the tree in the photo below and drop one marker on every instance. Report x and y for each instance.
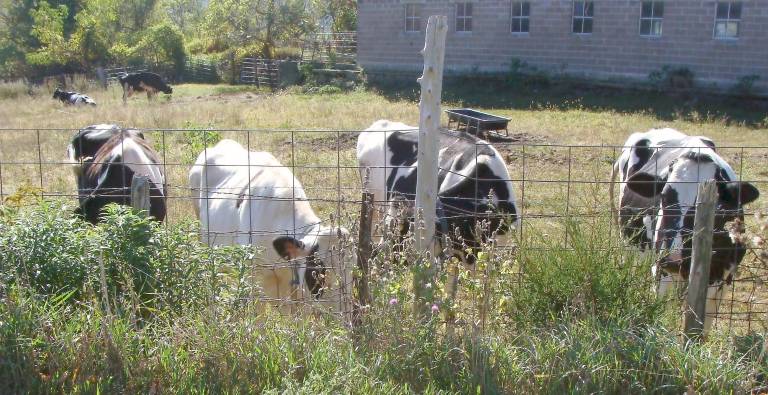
(186, 14)
(163, 44)
(48, 29)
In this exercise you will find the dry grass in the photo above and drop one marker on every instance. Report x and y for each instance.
(577, 144)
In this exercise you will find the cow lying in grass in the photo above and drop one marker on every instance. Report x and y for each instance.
(660, 172)
(250, 198)
(105, 159)
(72, 98)
(143, 82)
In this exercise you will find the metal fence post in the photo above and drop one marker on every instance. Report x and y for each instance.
(140, 193)
(698, 280)
(431, 83)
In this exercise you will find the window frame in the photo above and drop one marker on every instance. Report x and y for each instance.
(651, 19)
(464, 17)
(728, 20)
(583, 17)
(415, 18)
(520, 18)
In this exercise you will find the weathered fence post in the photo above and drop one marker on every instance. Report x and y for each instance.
(140, 193)
(431, 83)
(101, 75)
(698, 280)
(364, 251)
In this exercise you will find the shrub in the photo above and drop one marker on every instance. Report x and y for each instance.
(673, 78)
(146, 266)
(745, 87)
(591, 276)
(523, 74)
(196, 139)
(287, 53)
(163, 44)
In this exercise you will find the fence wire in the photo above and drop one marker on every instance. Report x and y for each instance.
(553, 184)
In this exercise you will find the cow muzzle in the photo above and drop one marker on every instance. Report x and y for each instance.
(672, 262)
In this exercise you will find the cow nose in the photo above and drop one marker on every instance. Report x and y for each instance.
(673, 260)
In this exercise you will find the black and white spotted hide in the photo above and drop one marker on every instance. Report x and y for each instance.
(474, 184)
(104, 159)
(660, 172)
(72, 98)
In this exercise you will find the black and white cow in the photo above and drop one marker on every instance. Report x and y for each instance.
(72, 98)
(143, 82)
(250, 198)
(105, 159)
(660, 172)
(473, 180)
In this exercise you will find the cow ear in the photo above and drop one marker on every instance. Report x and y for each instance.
(646, 185)
(288, 247)
(740, 192)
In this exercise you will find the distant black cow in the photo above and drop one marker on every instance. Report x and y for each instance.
(473, 180)
(105, 159)
(72, 98)
(143, 82)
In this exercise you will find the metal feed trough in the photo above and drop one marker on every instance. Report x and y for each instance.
(476, 122)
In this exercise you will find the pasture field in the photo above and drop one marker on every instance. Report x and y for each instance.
(580, 319)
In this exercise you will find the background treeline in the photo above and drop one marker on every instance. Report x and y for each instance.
(44, 37)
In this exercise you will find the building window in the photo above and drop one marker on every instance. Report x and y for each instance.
(727, 19)
(583, 12)
(651, 16)
(521, 16)
(412, 18)
(463, 17)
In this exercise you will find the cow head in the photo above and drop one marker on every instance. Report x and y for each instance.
(57, 94)
(676, 192)
(87, 141)
(320, 257)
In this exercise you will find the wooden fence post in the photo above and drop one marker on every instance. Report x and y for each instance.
(140, 193)
(364, 251)
(431, 83)
(698, 280)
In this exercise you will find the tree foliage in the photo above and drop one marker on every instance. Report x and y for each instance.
(47, 36)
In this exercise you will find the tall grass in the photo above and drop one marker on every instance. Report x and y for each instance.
(15, 89)
(578, 318)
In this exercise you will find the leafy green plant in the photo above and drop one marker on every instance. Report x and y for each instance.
(146, 266)
(585, 321)
(197, 138)
(745, 86)
(306, 69)
(672, 78)
(523, 74)
(591, 277)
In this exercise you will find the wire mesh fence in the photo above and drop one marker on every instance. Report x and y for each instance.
(330, 48)
(554, 185)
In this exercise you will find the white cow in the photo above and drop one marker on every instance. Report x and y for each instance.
(250, 198)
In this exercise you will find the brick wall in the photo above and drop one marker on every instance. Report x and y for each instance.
(615, 49)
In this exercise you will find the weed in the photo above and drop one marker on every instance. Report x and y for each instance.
(196, 138)
(745, 87)
(672, 78)
(199, 333)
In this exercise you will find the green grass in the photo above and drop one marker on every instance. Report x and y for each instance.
(569, 311)
(602, 333)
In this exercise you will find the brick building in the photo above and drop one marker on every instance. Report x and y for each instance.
(623, 40)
